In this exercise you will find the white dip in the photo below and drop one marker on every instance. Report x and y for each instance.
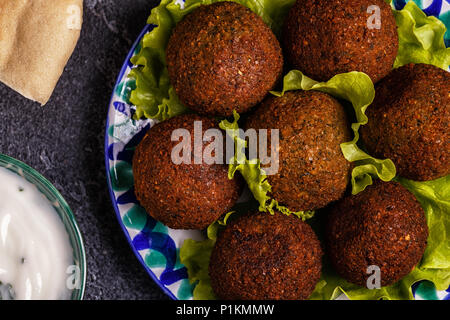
(35, 251)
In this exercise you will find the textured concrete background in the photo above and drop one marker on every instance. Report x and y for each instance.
(64, 141)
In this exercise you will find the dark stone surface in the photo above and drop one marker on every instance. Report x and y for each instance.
(64, 141)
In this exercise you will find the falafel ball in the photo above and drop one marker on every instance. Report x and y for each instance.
(185, 195)
(312, 170)
(265, 257)
(383, 226)
(223, 57)
(409, 121)
(323, 38)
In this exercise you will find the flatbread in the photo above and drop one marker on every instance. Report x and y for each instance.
(37, 38)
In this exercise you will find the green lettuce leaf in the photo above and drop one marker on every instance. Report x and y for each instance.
(253, 174)
(421, 38)
(434, 197)
(357, 88)
(154, 96)
(195, 255)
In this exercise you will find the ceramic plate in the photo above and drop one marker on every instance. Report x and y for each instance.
(155, 245)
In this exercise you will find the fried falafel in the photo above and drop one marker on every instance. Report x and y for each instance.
(409, 121)
(383, 226)
(323, 38)
(223, 57)
(312, 169)
(185, 195)
(262, 256)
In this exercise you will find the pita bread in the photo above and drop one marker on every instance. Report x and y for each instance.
(37, 38)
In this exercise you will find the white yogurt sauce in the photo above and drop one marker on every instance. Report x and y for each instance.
(35, 251)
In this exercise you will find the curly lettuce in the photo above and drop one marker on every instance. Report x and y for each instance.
(253, 174)
(358, 89)
(355, 87)
(195, 255)
(154, 96)
(421, 38)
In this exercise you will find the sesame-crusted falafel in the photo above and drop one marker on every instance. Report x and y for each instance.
(312, 169)
(383, 226)
(409, 121)
(223, 57)
(262, 256)
(323, 38)
(185, 195)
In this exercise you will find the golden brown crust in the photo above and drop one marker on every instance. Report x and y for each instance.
(323, 38)
(262, 256)
(223, 57)
(312, 169)
(409, 121)
(184, 196)
(383, 226)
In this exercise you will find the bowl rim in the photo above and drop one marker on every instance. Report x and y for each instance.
(65, 209)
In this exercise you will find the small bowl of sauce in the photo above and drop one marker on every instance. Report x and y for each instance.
(42, 254)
